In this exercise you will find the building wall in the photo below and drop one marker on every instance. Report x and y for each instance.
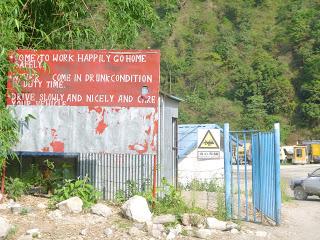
(168, 110)
(85, 129)
(190, 168)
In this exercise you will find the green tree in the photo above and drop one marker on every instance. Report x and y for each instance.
(63, 24)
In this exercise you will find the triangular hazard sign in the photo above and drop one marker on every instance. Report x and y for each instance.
(208, 141)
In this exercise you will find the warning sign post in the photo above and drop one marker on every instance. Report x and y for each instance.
(208, 144)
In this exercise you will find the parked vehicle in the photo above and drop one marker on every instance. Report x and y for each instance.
(307, 186)
(315, 152)
(307, 152)
(300, 155)
(286, 154)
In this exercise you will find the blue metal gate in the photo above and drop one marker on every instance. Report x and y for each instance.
(252, 174)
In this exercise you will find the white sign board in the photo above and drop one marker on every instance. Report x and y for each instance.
(208, 144)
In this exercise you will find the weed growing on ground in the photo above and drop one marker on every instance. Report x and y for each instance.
(12, 232)
(80, 188)
(284, 195)
(221, 212)
(198, 185)
(15, 188)
(170, 200)
(24, 211)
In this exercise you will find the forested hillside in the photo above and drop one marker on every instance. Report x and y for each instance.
(250, 62)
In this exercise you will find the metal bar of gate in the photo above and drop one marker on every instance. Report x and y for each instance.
(227, 170)
(245, 174)
(277, 172)
(238, 176)
(232, 187)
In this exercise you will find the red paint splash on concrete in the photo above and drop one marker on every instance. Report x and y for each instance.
(139, 148)
(96, 109)
(101, 124)
(45, 149)
(116, 109)
(54, 133)
(148, 131)
(149, 116)
(57, 146)
(101, 127)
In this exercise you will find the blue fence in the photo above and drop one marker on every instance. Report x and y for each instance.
(252, 174)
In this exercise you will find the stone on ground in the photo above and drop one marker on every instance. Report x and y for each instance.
(71, 205)
(234, 231)
(134, 232)
(34, 232)
(4, 228)
(192, 219)
(15, 208)
(213, 223)
(41, 206)
(101, 209)
(261, 233)
(162, 219)
(55, 215)
(137, 209)
(108, 232)
(203, 233)
(155, 230)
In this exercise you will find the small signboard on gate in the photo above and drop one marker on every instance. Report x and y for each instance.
(208, 144)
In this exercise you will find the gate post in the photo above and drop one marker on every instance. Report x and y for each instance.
(277, 171)
(227, 169)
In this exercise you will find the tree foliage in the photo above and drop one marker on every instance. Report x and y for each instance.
(63, 24)
(247, 62)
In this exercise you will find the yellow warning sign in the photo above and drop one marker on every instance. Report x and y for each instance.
(208, 142)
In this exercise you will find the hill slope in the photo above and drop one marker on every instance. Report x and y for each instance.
(249, 63)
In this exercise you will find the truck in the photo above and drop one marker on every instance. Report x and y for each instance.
(307, 152)
(315, 152)
(300, 155)
(286, 154)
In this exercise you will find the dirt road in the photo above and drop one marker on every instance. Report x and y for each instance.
(300, 219)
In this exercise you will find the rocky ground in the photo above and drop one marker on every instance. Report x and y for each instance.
(31, 218)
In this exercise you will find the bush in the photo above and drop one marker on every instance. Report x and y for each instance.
(80, 188)
(169, 202)
(15, 188)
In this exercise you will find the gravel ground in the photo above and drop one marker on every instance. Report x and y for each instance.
(300, 220)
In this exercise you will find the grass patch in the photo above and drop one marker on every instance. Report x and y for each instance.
(12, 233)
(284, 194)
(221, 212)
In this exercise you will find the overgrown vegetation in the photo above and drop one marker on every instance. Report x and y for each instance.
(169, 200)
(15, 188)
(247, 62)
(63, 24)
(80, 188)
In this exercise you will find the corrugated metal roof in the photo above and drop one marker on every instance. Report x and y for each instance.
(171, 96)
(188, 137)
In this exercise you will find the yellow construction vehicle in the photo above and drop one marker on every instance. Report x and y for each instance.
(308, 151)
(300, 155)
(315, 152)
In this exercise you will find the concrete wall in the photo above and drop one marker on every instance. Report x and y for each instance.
(190, 168)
